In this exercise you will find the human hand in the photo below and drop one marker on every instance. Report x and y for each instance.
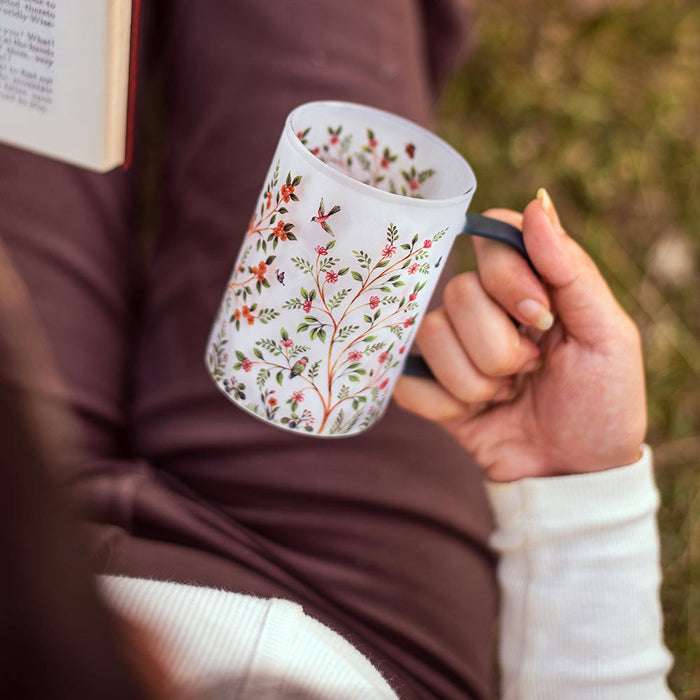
(526, 403)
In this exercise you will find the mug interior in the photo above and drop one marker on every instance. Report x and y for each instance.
(381, 150)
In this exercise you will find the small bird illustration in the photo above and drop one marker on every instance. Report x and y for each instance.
(280, 276)
(322, 217)
(298, 367)
(410, 150)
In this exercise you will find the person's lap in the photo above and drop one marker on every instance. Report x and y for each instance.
(380, 536)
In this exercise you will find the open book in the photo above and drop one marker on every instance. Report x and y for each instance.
(64, 78)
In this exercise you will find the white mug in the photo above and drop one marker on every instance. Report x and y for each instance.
(344, 248)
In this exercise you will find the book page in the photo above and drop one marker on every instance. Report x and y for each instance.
(53, 77)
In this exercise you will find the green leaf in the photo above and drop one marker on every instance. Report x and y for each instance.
(357, 276)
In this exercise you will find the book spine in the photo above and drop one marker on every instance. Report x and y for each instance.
(133, 70)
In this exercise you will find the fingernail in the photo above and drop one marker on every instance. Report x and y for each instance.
(533, 365)
(536, 314)
(549, 209)
(505, 393)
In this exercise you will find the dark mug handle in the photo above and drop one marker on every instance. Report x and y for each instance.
(486, 227)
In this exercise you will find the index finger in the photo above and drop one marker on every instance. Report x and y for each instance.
(508, 278)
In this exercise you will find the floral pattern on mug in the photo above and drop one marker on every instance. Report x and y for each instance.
(351, 324)
(370, 162)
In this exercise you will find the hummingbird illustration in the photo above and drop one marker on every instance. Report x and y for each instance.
(280, 276)
(298, 367)
(322, 217)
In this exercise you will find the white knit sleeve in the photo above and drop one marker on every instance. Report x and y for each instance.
(579, 577)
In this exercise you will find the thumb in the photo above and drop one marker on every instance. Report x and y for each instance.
(580, 296)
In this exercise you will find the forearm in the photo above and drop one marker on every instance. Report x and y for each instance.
(579, 577)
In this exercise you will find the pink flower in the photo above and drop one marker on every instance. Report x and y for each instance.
(354, 355)
(428, 243)
(384, 384)
(413, 185)
(334, 139)
(413, 269)
(385, 163)
(412, 296)
(298, 396)
(247, 365)
(402, 350)
(383, 357)
(306, 306)
(331, 276)
(408, 322)
(287, 343)
(373, 302)
(321, 250)
(389, 250)
(315, 151)
(372, 143)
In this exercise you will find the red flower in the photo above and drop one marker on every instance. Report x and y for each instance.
(245, 311)
(413, 268)
(408, 322)
(300, 135)
(354, 355)
(298, 396)
(321, 250)
(412, 296)
(383, 357)
(384, 163)
(372, 143)
(384, 383)
(334, 139)
(287, 343)
(373, 302)
(306, 306)
(331, 276)
(315, 151)
(428, 243)
(413, 185)
(260, 270)
(246, 365)
(402, 350)
(272, 401)
(286, 191)
(389, 250)
(236, 314)
(241, 268)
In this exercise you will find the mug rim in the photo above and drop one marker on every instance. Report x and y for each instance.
(291, 134)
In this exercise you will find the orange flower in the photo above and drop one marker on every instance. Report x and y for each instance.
(236, 314)
(260, 270)
(251, 225)
(245, 311)
(286, 191)
(251, 320)
(269, 199)
(272, 401)
(279, 231)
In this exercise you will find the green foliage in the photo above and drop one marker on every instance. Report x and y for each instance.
(599, 101)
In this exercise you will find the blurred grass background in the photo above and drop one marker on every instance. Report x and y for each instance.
(599, 101)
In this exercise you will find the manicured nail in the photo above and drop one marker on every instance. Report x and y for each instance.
(533, 365)
(536, 314)
(549, 209)
(505, 393)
